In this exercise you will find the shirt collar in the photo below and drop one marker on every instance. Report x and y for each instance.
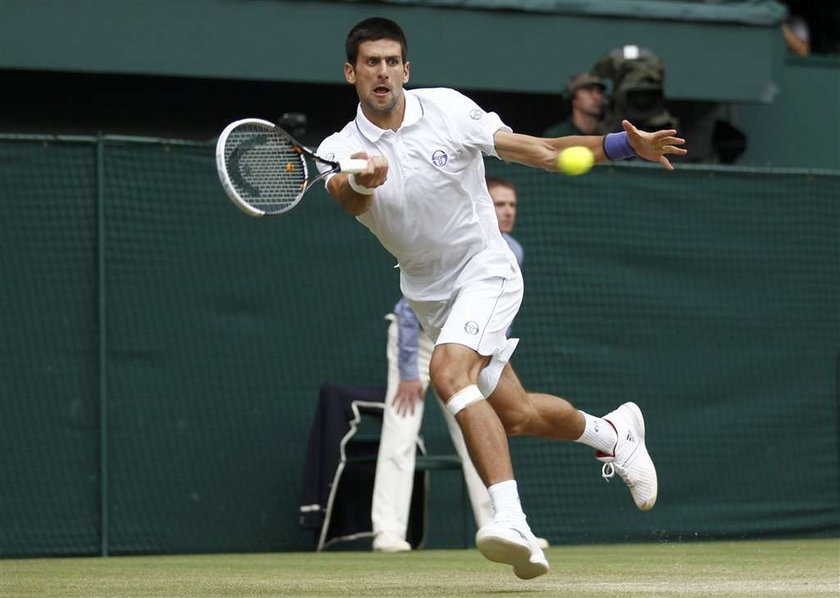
(413, 112)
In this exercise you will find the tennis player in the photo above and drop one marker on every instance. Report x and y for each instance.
(409, 351)
(424, 196)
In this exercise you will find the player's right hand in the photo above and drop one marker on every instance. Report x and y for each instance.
(376, 172)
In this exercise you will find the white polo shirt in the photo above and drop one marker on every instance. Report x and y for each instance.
(434, 213)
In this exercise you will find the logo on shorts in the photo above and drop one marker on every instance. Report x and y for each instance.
(471, 327)
(476, 113)
(439, 158)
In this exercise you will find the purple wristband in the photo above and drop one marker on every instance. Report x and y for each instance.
(616, 146)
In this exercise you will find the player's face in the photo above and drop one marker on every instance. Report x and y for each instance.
(378, 75)
(504, 200)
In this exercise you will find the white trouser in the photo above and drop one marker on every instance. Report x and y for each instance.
(398, 446)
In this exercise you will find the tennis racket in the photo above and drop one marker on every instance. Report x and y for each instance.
(263, 169)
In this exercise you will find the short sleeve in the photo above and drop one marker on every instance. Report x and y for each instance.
(337, 146)
(475, 126)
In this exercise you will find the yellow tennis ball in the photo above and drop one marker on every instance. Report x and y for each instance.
(575, 160)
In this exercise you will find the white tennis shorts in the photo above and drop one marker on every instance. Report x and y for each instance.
(478, 316)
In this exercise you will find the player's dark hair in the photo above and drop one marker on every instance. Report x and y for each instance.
(370, 30)
(494, 181)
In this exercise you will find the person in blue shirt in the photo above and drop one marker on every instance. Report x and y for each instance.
(409, 350)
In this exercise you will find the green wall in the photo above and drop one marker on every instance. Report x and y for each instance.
(289, 40)
(801, 128)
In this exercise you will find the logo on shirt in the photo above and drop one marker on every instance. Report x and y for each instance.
(471, 327)
(439, 158)
(476, 113)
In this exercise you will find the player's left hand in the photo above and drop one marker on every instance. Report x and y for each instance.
(654, 146)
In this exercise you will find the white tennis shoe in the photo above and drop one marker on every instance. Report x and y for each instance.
(512, 543)
(631, 460)
(390, 542)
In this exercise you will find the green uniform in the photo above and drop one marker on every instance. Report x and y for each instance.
(567, 127)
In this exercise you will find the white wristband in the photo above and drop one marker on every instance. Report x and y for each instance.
(357, 187)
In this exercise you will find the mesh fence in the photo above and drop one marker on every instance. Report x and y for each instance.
(49, 446)
(709, 297)
(162, 353)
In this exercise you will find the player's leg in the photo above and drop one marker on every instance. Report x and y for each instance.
(394, 481)
(508, 538)
(468, 330)
(534, 414)
(618, 438)
(454, 371)
(482, 507)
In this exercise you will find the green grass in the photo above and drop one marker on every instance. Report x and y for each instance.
(801, 569)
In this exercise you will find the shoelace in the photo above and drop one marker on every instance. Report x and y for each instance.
(609, 470)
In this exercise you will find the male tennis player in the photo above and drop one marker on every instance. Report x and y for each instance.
(424, 197)
(409, 350)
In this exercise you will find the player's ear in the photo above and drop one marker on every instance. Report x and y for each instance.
(349, 73)
(406, 67)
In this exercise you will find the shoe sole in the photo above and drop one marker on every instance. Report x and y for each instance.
(640, 426)
(499, 549)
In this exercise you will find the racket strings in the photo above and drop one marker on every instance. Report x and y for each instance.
(264, 168)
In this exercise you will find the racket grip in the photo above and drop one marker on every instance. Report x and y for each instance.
(352, 165)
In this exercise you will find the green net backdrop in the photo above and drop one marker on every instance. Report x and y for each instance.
(162, 353)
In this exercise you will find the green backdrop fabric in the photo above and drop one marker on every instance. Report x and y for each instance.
(708, 295)
(49, 428)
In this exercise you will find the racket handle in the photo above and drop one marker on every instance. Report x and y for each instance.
(352, 165)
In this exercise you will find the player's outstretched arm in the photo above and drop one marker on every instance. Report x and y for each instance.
(540, 152)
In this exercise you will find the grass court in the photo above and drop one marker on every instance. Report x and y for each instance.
(794, 568)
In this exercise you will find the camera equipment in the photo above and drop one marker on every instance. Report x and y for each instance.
(638, 78)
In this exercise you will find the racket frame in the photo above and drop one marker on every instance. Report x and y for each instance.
(351, 166)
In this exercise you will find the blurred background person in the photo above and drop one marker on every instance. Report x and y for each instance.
(797, 35)
(812, 27)
(586, 93)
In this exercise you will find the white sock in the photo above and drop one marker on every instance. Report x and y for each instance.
(505, 499)
(599, 434)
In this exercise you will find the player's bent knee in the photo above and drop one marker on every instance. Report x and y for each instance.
(453, 367)
(463, 399)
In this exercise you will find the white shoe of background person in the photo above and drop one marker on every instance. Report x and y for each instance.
(630, 458)
(390, 542)
(513, 543)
